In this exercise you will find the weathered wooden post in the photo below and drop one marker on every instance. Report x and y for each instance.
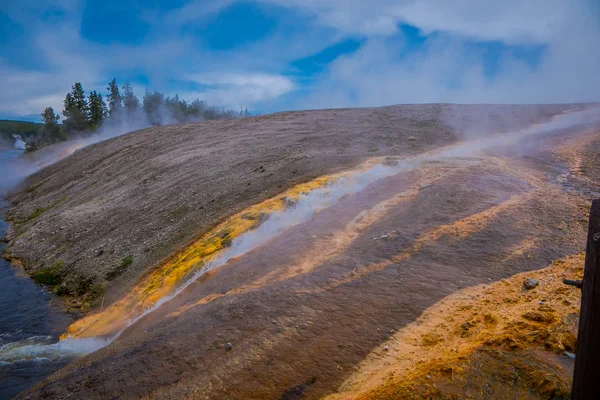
(586, 378)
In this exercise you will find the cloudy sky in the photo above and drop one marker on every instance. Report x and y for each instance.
(271, 55)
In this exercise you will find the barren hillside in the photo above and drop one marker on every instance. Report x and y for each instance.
(291, 255)
(92, 223)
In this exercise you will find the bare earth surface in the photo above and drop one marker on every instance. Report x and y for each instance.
(497, 340)
(303, 311)
(147, 193)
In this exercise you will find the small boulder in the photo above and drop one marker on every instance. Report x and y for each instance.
(530, 283)
(411, 138)
(228, 347)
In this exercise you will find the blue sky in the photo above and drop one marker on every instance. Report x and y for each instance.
(272, 55)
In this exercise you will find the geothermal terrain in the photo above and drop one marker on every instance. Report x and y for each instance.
(353, 253)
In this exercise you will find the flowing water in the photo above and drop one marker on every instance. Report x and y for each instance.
(28, 317)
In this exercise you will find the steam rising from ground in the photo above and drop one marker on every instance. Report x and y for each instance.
(526, 140)
(308, 205)
(19, 168)
(19, 143)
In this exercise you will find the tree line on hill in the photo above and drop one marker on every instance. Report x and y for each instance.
(122, 109)
(26, 130)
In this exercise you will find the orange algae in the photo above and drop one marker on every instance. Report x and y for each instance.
(164, 280)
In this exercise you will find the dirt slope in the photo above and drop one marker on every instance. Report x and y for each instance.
(93, 223)
(306, 311)
(500, 340)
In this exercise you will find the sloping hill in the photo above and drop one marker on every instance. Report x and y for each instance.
(323, 290)
(119, 207)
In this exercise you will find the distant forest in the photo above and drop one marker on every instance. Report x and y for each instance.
(21, 128)
(28, 131)
(88, 114)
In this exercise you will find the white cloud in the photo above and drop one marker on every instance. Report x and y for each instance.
(447, 69)
(170, 56)
(236, 90)
(194, 11)
(29, 92)
(444, 69)
(511, 21)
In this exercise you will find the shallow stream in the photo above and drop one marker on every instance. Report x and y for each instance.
(28, 315)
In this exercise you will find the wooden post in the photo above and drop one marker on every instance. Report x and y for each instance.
(586, 377)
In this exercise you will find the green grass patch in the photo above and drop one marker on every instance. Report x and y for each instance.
(40, 211)
(37, 185)
(50, 275)
(125, 263)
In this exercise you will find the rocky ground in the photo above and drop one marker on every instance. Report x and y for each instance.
(328, 308)
(92, 224)
(512, 339)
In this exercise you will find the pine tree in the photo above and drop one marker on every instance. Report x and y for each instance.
(130, 102)
(79, 98)
(97, 109)
(115, 101)
(69, 105)
(152, 105)
(51, 132)
(177, 109)
(76, 109)
(196, 109)
(49, 117)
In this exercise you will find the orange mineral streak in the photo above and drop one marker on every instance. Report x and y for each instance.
(458, 230)
(164, 280)
(319, 253)
(327, 249)
(334, 245)
(449, 334)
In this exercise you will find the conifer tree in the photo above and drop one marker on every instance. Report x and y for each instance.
(51, 131)
(152, 105)
(115, 100)
(49, 117)
(79, 98)
(76, 109)
(130, 101)
(97, 109)
(51, 128)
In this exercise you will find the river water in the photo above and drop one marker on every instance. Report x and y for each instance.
(28, 315)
